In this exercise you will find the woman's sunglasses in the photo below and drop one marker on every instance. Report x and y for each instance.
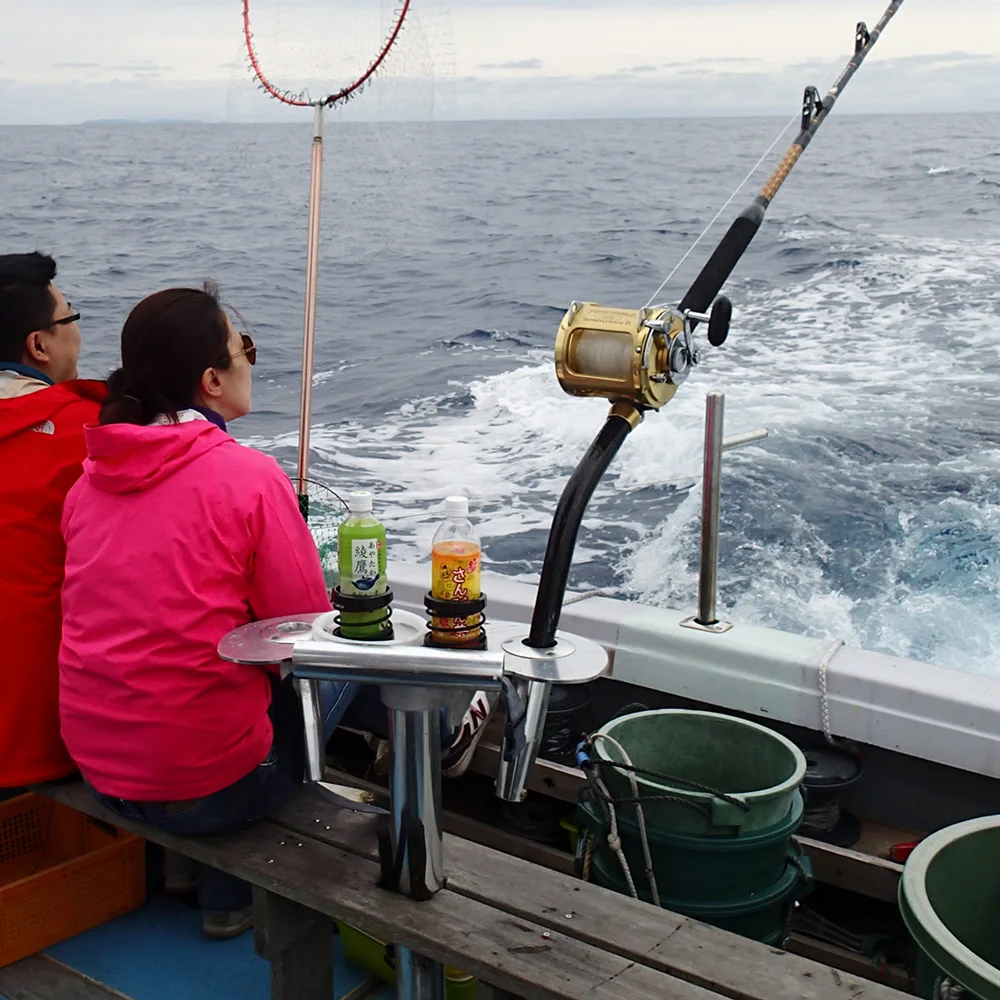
(249, 350)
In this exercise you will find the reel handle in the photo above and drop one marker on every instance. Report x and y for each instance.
(718, 320)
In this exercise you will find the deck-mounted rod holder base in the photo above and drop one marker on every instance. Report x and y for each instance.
(716, 628)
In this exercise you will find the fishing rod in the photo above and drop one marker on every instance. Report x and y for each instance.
(637, 358)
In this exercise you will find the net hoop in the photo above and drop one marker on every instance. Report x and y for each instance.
(299, 100)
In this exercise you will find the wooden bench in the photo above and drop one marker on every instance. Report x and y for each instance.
(523, 930)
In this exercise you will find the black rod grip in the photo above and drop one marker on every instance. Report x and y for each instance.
(566, 526)
(725, 257)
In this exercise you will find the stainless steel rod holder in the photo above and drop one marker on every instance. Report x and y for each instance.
(416, 683)
(416, 828)
(418, 977)
(707, 619)
(312, 717)
(715, 407)
(415, 798)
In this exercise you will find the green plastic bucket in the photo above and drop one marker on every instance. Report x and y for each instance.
(761, 915)
(742, 759)
(949, 897)
(687, 867)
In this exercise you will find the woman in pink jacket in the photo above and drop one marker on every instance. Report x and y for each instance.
(176, 534)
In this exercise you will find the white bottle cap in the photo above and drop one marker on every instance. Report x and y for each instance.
(359, 502)
(456, 506)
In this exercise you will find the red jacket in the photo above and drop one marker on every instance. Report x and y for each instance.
(41, 452)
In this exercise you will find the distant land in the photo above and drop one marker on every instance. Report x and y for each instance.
(147, 121)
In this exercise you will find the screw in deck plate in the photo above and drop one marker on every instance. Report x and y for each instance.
(546, 935)
(298, 845)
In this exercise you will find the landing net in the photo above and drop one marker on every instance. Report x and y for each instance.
(372, 61)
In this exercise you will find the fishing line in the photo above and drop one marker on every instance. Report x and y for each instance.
(742, 185)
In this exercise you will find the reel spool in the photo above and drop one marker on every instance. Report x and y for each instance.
(636, 356)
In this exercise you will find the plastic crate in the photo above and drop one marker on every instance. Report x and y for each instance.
(61, 873)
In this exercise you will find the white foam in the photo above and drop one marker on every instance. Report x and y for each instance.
(855, 352)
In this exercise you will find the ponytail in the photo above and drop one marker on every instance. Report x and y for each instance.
(133, 403)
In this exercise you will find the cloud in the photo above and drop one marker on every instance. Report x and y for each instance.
(514, 64)
(76, 65)
(140, 68)
(729, 59)
(646, 68)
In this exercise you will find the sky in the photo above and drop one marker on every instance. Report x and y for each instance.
(66, 61)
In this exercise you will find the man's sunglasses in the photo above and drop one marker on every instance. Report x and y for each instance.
(249, 349)
(66, 320)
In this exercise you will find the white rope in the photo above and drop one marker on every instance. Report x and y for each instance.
(824, 694)
(704, 232)
(614, 841)
(576, 598)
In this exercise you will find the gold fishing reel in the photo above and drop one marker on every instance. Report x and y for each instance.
(634, 356)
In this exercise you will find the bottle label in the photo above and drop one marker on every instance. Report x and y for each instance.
(364, 563)
(455, 568)
(456, 573)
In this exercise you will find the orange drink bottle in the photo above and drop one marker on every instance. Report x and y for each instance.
(456, 555)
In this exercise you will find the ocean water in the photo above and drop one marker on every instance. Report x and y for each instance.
(865, 339)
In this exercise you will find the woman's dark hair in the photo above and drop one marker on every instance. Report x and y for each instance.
(168, 341)
(26, 304)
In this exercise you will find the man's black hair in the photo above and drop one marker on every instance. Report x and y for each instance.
(26, 304)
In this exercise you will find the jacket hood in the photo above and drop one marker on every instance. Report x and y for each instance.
(127, 458)
(21, 413)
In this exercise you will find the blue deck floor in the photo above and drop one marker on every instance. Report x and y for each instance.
(159, 953)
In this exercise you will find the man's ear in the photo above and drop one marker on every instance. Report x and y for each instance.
(34, 348)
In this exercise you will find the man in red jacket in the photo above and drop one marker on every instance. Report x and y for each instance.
(43, 408)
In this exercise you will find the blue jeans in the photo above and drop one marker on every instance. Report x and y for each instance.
(266, 788)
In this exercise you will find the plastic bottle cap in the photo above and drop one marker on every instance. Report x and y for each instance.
(456, 506)
(359, 502)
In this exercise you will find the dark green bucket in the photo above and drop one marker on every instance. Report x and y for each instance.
(949, 897)
(761, 915)
(744, 760)
(692, 868)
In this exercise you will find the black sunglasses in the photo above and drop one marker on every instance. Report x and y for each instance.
(66, 320)
(249, 349)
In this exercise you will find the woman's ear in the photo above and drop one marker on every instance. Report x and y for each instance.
(211, 386)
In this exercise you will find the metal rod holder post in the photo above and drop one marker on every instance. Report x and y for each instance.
(416, 823)
(715, 412)
(415, 794)
(707, 619)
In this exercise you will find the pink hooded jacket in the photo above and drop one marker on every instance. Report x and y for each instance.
(174, 536)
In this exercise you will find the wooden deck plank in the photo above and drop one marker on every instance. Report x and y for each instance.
(725, 963)
(43, 978)
(519, 955)
(868, 876)
(474, 830)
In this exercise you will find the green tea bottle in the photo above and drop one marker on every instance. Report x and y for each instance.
(361, 568)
